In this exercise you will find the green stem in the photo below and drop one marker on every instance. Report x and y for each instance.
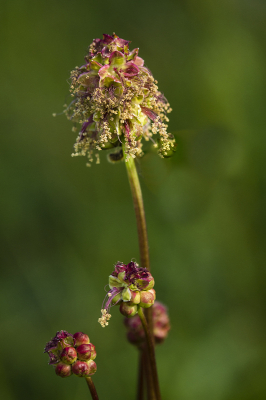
(139, 211)
(140, 388)
(148, 375)
(144, 252)
(92, 388)
(150, 347)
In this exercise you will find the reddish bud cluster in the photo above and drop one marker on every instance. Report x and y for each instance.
(161, 326)
(72, 354)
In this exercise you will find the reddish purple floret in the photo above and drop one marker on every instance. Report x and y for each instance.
(52, 346)
(140, 277)
(134, 275)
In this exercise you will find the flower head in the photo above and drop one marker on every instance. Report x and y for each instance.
(116, 99)
(71, 354)
(161, 326)
(130, 286)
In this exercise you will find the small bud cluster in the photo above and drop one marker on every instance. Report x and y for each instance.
(161, 326)
(115, 100)
(131, 287)
(72, 354)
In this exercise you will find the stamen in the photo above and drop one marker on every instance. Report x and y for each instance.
(104, 318)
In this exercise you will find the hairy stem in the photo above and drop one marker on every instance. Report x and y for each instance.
(92, 388)
(151, 352)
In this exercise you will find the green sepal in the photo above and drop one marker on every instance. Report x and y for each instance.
(97, 116)
(126, 295)
(121, 276)
(116, 299)
(114, 282)
(137, 99)
(98, 58)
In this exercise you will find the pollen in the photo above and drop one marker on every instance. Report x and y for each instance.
(103, 321)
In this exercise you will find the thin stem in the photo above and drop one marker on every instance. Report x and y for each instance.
(139, 211)
(140, 390)
(92, 388)
(150, 347)
(142, 236)
(148, 375)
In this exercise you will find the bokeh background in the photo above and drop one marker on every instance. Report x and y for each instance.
(63, 225)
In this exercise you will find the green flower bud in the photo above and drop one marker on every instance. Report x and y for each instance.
(147, 298)
(128, 309)
(135, 297)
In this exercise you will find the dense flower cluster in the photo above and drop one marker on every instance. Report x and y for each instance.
(161, 326)
(116, 100)
(72, 354)
(131, 287)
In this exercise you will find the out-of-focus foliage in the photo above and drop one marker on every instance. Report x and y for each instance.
(63, 225)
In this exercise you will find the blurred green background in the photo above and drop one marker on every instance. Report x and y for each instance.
(63, 225)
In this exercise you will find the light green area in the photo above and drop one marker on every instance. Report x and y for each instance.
(63, 226)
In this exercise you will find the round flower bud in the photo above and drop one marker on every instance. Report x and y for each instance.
(84, 368)
(63, 370)
(84, 351)
(128, 309)
(68, 355)
(161, 326)
(81, 338)
(92, 367)
(135, 297)
(147, 298)
(93, 352)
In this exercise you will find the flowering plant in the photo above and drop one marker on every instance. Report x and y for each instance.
(117, 104)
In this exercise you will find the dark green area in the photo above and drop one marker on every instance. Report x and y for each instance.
(63, 225)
